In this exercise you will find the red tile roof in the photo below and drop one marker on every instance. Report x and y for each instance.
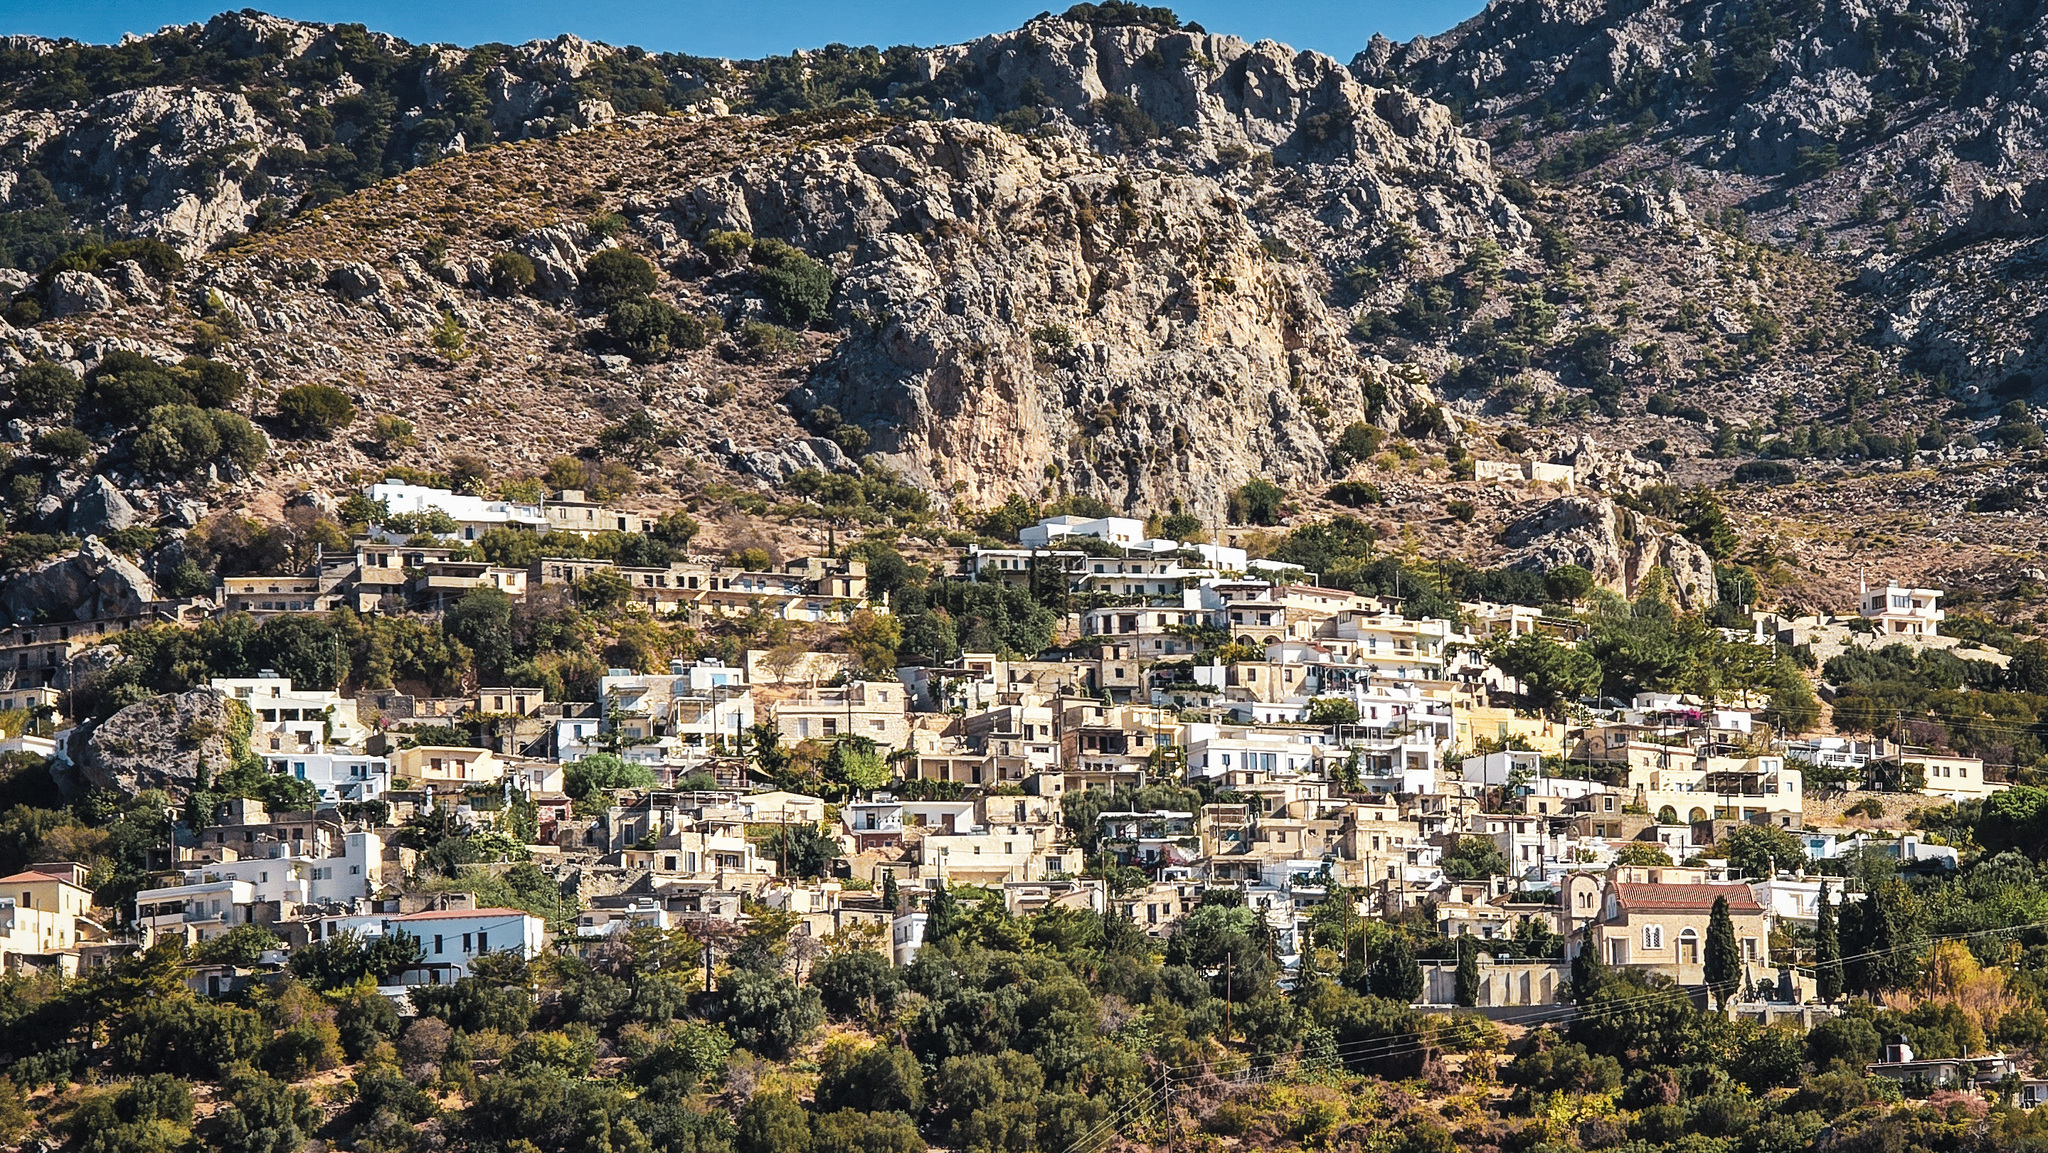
(1637, 897)
(32, 878)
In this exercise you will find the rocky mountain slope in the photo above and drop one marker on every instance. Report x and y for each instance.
(1904, 140)
(1103, 254)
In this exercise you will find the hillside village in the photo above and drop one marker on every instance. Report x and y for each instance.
(542, 802)
(1211, 727)
(1104, 588)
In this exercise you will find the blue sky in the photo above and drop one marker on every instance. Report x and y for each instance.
(741, 28)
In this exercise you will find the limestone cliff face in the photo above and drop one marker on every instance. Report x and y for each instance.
(1616, 545)
(1909, 88)
(1024, 310)
(196, 161)
(1205, 93)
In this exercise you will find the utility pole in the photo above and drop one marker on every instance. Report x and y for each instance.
(1227, 959)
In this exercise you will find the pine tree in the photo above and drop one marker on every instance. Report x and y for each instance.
(1827, 952)
(1465, 989)
(1724, 960)
(1393, 973)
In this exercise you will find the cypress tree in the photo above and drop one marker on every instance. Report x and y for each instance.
(1891, 928)
(1589, 973)
(1827, 952)
(1724, 961)
(1465, 990)
(1306, 975)
(891, 899)
(942, 915)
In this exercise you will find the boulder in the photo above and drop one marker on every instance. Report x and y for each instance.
(93, 584)
(14, 280)
(356, 281)
(1648, 205)
(99, 509)
(182, 513)
(161, 743)
(128, 279)
(558, 253)
(779, 464)
(79, 293)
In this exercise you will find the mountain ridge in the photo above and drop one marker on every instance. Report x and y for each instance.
(1106, 257)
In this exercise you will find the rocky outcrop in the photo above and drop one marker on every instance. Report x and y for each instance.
(1648, 206)
(192, 163)
(100, 508)
(162, 743)
(558, 253)
(78, 294)
(2008, 208)
(356, 281)
(776, 465)
(1898, 93)
(1024, 309)
(1608, 470)
(1614, 544)
(1211, 94)
(93, 584)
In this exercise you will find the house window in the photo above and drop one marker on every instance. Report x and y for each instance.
(437, 944)
(1653, 936)
(483, 942)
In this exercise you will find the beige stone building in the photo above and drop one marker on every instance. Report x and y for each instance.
(1660, 922)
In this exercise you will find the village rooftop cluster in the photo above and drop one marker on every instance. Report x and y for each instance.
(1346, 752)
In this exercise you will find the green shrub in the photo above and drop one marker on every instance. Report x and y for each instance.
(512, 273)
(798, 287)
(159, 259)
(726, 247)
(1766, 472)
(390, 434)
(1257, 501)
(317, 411)
(1126, 121)
(176, 439)
(126, 384)
(650, 329)
(212, 383)
(64, 444)
(44, 389)
(240, 441)
(768, 339)
(614, 275)
(1355, 493)
(1461, 511)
